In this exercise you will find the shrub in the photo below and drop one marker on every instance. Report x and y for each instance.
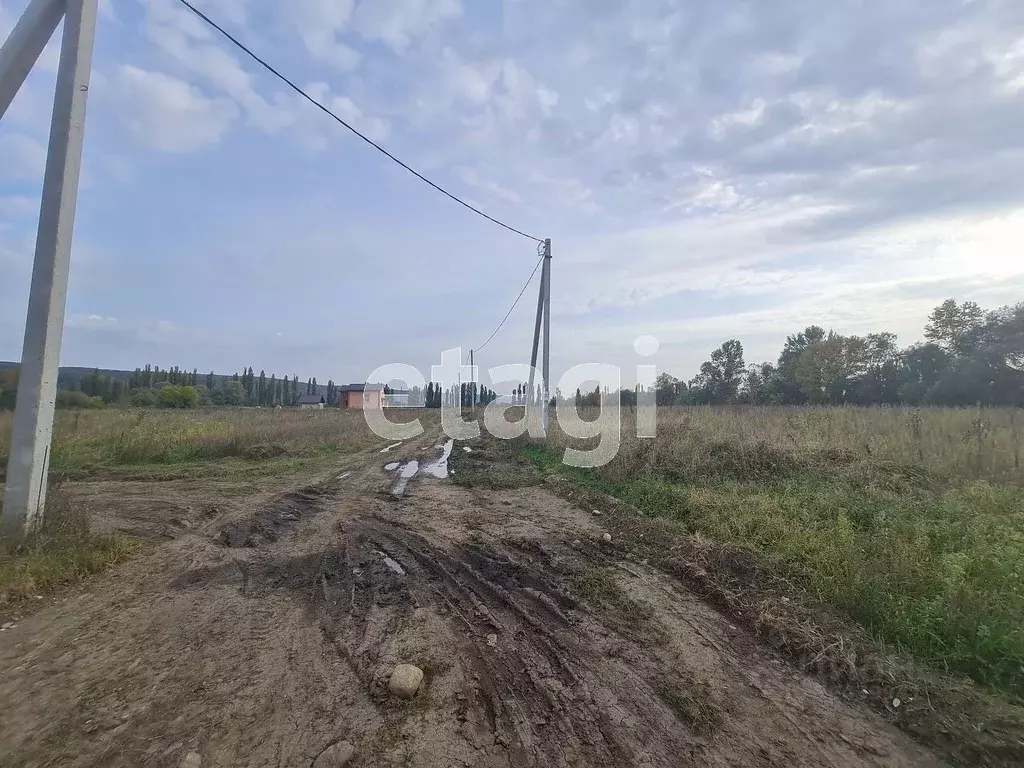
(174, 396)
(143, 398)
(69, 399)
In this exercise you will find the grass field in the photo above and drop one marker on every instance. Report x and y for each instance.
(910, 523)
(158, 445)
(95, 442)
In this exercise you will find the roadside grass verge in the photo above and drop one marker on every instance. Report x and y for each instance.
(932, 572)
(63, 552)
(969, 724)
(881, 549)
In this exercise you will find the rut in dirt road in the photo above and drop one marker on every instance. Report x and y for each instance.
(534, 691)
(534, 676)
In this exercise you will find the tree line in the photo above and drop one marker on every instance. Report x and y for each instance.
(245, 388)
(176, 387)
(969, 357)
(436, 396)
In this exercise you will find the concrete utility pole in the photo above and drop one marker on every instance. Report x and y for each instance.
(24, 44)
(543, 321)
(547, 337)
(44, 325)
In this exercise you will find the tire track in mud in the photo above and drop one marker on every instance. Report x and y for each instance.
(532, 691)
(274, 520)
(528, 671)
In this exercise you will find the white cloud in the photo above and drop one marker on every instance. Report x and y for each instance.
(398, 23)
(188, 45)
(317, 129)
(320, 23)
(743, 118)
(889, 279)
(168, 114)
(564, 191)
(91, 322)
(473, 178)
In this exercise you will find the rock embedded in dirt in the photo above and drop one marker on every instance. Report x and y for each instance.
(335, 755)
(492, 640)
(597, 513)
(607, 537)
(405, 681)
(192, 760)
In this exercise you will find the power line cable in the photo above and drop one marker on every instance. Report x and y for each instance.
(514, 304)
(368, 140)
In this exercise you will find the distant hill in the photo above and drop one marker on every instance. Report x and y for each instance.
(70, 377)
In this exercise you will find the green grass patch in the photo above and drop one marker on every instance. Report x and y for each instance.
(693, 702)
(493, 465)
(62, 553)
(930, 570)
(599, 589)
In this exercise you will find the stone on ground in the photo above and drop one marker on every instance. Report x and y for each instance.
(405, 681)
(192, 760)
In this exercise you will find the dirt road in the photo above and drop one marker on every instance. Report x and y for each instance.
(265, 629)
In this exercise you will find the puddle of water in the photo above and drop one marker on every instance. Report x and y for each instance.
(408, 470)
(439, 468)
(394, 566)
(392, 466)
(390, 448)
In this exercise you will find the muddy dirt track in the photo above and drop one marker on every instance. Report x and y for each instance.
(263, 630)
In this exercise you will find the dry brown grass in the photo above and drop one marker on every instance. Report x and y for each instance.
(968, 444)
(89, 441)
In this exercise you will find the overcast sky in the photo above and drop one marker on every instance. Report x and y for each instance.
(706, 170)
